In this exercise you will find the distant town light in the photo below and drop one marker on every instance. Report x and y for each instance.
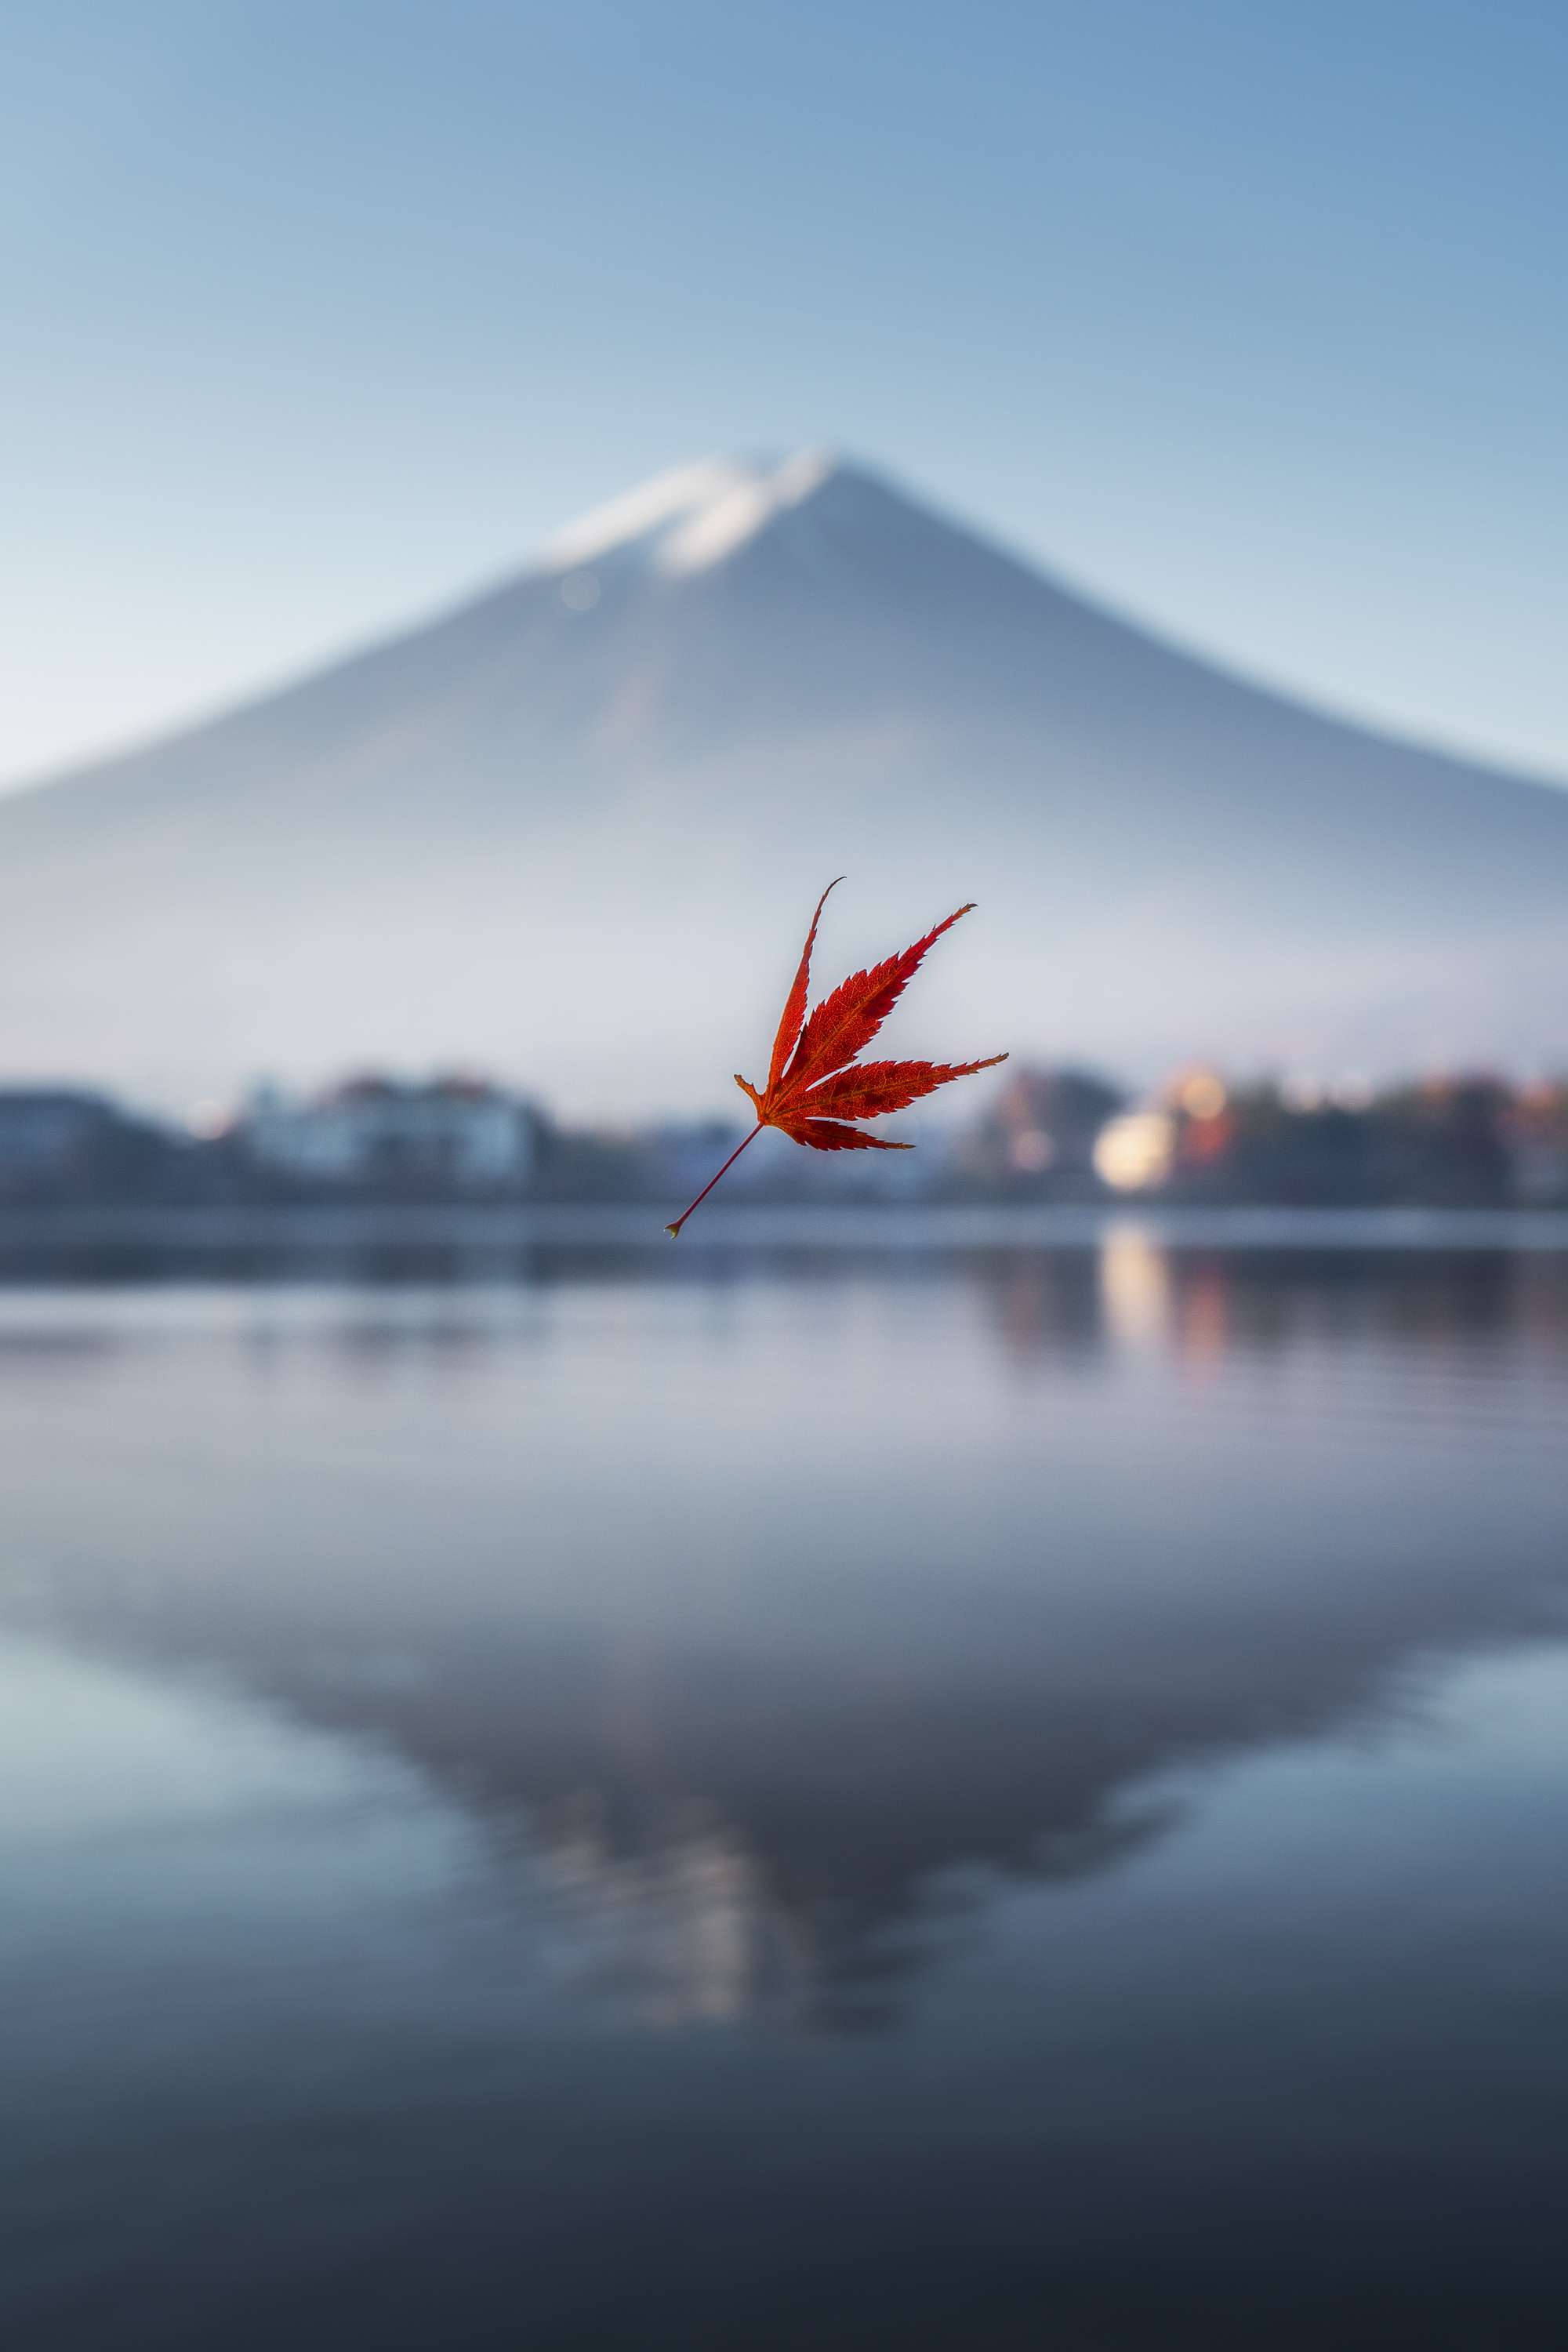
(1134, 1153)
(1202, 1096)
(1032, 1152)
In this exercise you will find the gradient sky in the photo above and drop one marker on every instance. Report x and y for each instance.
(1251, 317)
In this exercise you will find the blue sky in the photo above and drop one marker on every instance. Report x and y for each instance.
(1252, 318)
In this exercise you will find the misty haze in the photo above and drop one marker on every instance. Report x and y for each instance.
(474, 844)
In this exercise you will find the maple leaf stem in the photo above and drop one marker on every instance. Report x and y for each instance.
(674, 1230)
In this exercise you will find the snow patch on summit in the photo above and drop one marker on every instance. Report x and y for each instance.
(690, 519)
(718, 530)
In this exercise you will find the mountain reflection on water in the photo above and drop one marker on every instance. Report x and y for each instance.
(738, 1646)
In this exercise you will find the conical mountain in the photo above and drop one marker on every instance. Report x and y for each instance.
(571, 832)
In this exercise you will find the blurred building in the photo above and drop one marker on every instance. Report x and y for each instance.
(446, 1135)
(1464, 1141)
(1040, 1133)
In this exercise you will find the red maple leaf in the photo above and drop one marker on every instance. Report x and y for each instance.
(815, 1084)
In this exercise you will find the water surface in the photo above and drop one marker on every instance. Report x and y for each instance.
(1010, 1798)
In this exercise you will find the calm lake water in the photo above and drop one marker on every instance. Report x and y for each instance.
(1014, 1797)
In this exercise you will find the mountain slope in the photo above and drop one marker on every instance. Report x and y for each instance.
(572, 829)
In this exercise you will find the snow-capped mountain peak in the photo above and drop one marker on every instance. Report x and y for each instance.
(690, 518)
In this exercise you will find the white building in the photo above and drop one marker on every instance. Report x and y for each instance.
(452, 1134)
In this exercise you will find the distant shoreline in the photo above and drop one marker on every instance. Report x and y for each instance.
(39, 1238)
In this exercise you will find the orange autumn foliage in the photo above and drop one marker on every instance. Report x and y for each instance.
(814, 1084)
